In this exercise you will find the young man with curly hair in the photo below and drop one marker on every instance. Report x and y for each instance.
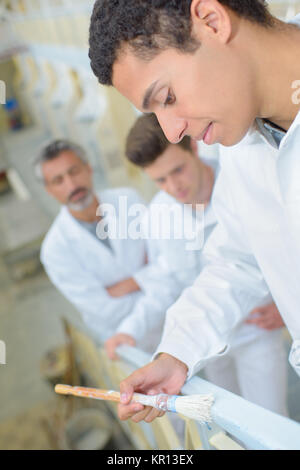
(181, 213)
(221, 71)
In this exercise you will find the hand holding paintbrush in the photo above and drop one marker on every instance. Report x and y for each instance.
(194, 406)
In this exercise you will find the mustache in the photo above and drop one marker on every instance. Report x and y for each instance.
(77, 190)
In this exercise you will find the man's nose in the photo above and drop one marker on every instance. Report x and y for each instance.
(173, 127)
(172, 185)
(70, 183)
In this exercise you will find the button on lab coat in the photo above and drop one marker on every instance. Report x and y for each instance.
(255, 247)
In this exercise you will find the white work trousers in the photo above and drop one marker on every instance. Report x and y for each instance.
(256, 370)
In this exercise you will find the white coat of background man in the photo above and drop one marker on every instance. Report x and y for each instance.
(255, 365)
(227, 72)
(101, 277)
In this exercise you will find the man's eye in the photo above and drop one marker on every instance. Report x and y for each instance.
(178, 170)
(57, 181)
(170, 99)
(160, 181)
(74, 170)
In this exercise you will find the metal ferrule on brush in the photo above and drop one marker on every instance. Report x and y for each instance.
(166, 402)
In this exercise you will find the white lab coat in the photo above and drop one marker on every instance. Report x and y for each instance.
(169, 269)
(179, 256)
(255, 247)
(81, 267)
(246, 370)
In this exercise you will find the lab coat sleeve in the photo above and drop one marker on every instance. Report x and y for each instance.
(150, 270)
(100, 312)
(200, 324)
(160, 289)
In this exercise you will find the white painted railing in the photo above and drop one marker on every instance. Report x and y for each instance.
(250, 425)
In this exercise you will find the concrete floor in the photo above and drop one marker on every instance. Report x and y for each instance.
(30, 325)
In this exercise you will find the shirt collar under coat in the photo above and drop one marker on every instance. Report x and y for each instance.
(260, 129)
(71, 227)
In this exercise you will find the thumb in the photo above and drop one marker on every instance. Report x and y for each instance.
(256, 311)
(129, 385)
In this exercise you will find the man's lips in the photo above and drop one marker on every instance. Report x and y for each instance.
(77, 195)
(202, 135)
(182, 194)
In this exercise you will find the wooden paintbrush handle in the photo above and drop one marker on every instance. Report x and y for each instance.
(99, 394)
(88, 392)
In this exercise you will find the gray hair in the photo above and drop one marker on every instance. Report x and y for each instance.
(52, 150)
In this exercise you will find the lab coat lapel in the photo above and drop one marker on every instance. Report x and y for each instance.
(86, 244)
(288, 165)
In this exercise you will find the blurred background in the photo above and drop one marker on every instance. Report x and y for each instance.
(47, 91)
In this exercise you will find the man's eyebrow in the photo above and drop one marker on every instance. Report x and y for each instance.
(147, 96)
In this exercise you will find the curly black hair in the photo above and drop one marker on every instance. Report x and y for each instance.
(150, 26)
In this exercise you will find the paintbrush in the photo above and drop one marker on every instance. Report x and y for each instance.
(192, 406)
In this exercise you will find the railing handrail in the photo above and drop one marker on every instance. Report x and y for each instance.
(257, 427)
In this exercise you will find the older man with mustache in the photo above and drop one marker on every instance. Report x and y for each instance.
(101, 274)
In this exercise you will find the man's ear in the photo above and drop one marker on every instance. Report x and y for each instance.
(210, 19)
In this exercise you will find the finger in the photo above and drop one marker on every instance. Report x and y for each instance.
(110, 350)
(154, 413)
(127, 411)
(252, 321)
(254, 317)
(114, 355)
(154, 391)
(271, 325)
(256, 311)
(127, 386)
(107, 349)
(266, 324)
(142, 415)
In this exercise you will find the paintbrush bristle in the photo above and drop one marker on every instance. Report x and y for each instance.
(196, 407)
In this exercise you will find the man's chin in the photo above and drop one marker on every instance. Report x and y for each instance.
(82, 203)
(230, 139)
(184, 201)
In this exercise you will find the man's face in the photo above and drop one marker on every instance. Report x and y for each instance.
(209, 94)
(177, 172)
(68, 179)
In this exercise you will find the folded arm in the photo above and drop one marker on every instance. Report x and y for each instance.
(101, 313)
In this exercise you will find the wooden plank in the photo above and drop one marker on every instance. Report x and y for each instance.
(223, 442)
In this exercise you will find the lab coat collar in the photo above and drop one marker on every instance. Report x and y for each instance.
(69, 225)
(258, 129)
(291, 131)
(75, 232)
(259, 126)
